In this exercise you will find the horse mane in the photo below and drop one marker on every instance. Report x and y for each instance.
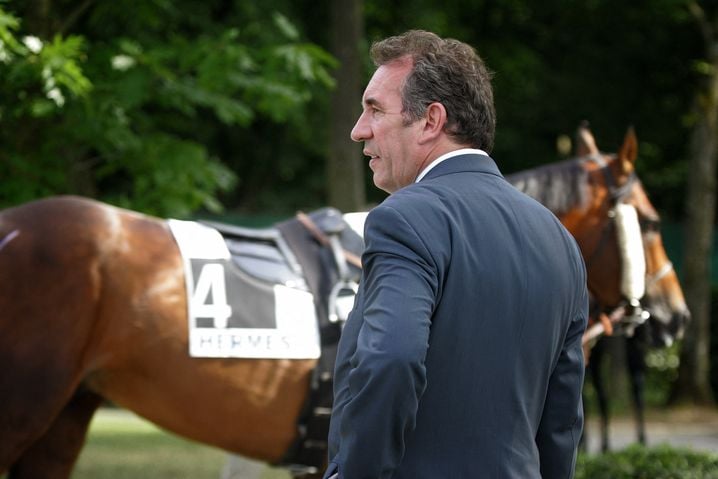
(559, 186)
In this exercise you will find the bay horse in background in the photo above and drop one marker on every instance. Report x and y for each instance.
(110, 284)
(634, 291)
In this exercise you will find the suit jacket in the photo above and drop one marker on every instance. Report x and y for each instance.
(462, 356)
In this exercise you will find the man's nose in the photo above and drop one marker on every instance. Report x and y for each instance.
(361, 130)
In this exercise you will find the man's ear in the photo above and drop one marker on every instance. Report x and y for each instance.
(434, 122)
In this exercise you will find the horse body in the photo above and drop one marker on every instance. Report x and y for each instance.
(662, 300)
(103, 315)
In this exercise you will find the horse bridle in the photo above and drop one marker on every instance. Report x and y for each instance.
(629, 312)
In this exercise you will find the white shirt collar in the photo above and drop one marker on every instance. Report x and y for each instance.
(446, 156)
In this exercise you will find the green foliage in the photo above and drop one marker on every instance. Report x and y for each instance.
(37, 75)
(661, 373)
(132, 110)
(161, 181)
(637, 462)
(248, 83)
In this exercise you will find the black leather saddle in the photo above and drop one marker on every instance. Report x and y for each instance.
(269, 255)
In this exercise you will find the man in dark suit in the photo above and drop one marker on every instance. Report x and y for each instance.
(462, 355)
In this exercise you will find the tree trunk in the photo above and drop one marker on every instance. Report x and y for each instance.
(693, 385)
(345, 168)
(38, 19)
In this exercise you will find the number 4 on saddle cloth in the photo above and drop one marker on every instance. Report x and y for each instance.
(271, 293)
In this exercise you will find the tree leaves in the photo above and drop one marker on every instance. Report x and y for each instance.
(133, 115)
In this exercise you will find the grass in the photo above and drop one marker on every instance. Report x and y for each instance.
(122, 446)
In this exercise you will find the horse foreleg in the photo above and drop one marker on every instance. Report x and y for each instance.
(54, 454)
(594, 367)
(583, 442)
(637, 372)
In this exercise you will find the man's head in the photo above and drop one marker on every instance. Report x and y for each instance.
(428, 96)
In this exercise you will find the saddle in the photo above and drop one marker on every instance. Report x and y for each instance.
(318, 251)
(287, 253)
(261, 253)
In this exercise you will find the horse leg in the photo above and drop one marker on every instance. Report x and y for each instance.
(594, 366)
(635, 360)
(583, 442)
(54, 454)
(317, 475)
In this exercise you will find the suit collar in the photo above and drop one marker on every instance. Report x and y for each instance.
(461, 163)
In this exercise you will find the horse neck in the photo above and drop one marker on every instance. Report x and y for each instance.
(569, 190)
(562, 187)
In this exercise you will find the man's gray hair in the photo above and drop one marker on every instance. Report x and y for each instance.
(449, 72)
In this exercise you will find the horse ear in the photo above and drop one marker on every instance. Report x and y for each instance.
(629, 151)
(585, 143)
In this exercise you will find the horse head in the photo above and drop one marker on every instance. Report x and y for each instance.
(628, 268)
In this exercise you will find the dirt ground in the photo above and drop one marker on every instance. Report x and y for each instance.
(695, 428)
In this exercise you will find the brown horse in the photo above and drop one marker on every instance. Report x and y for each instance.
(611, 181)
(93, 306)
(663, 301)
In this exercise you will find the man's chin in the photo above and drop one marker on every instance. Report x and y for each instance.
(385, 187)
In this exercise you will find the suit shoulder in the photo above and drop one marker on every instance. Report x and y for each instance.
(412, 202)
